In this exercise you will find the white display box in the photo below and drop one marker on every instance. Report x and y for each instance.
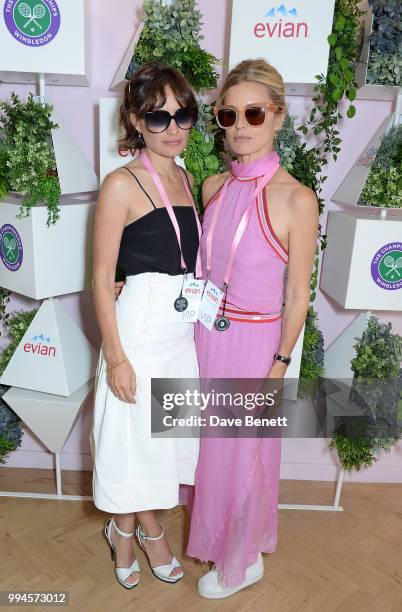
(357, 271)
(291, 37)
(39, 261)
(352, 185)
(45, 37)
(53, 356)
(50, 417)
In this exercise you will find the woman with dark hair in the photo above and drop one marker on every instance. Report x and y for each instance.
(145, 222)
(258, 222)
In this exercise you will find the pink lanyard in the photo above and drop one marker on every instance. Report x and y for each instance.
(158, 183)
(241, 228)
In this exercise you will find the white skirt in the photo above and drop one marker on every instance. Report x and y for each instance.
(133, 471)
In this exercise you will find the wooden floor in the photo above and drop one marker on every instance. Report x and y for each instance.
(347, 561)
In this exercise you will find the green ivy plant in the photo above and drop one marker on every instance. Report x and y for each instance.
(377, 385)
(308, 163)
(27, 162)
(339, 83)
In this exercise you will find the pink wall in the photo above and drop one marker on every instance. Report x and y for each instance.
(109, 32)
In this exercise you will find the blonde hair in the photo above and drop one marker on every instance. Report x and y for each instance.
(257, 71)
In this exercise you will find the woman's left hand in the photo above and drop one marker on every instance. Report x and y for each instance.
(278, 370)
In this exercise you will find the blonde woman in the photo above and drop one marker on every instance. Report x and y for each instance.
(235, 499)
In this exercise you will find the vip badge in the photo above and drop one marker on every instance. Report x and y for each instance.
(32, 22)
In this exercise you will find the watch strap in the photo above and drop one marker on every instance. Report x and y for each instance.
(284, 358)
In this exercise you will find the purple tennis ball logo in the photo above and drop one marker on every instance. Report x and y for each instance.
(386, 266)
(32, 22)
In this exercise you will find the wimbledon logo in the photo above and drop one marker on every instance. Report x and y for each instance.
(32, 22)
(11, 250)
(277, 27)
(386, 266)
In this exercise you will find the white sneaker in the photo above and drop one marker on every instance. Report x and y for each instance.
(210, 586)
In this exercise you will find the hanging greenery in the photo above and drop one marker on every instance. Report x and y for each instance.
(308, 163)
(27, 162)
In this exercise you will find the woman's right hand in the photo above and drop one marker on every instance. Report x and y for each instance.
(118, 286)
(122, 382)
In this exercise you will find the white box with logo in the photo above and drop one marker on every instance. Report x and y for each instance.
(43, 36)
(39, 261)
(292, 36)
(362, 264)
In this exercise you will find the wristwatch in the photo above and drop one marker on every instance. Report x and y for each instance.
(283, 358)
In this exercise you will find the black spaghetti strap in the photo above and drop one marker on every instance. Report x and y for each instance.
(185, 174)
(148, 196)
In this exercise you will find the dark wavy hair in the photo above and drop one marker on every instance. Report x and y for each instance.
(145, 91)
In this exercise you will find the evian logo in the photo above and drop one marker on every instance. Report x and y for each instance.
(40, 345)
(281, 23)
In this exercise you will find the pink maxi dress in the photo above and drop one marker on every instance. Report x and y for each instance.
(234, 502)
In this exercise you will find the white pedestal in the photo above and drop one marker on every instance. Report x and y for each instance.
(355, 271)
(53, 356)
(51, 418)
(39, 261)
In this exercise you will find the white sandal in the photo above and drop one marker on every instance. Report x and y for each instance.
(122, 573)
(159, 571)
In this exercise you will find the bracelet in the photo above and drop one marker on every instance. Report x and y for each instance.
(114, 365)
(283, 358)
